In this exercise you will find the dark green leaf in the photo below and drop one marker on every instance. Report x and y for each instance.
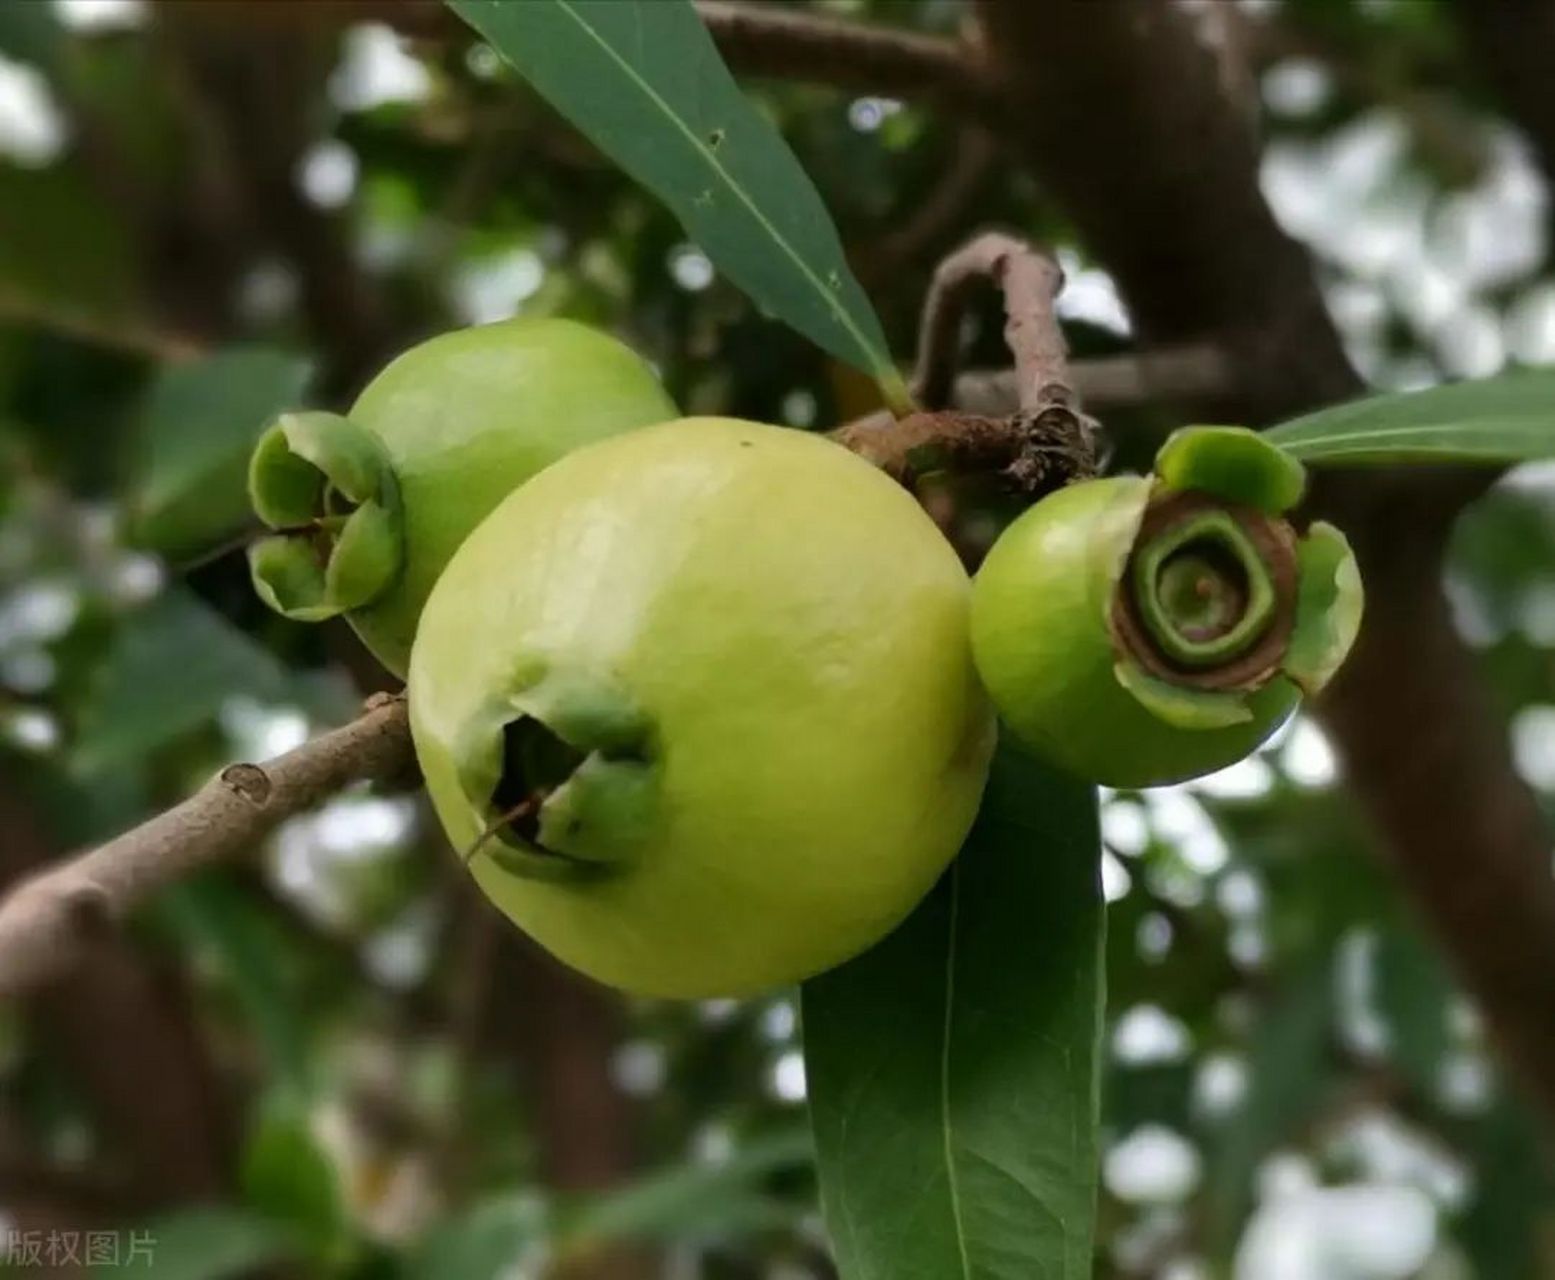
(65, 254)
(1287, 1075)
(200, 424)
(216, 918)
(488, 1242)
(1505, 419)
(208, 1243)
(691, 1201)
(31, 33)
(1413, 992)
(288, 1176)
(643, 80)
(1506, 1227)
(173, 663)
(953, 1070)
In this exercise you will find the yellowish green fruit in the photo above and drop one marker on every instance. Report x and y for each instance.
(368, 508)
(1143, 630)
(698, 705)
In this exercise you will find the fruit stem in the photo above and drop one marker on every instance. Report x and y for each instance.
(1049, 441)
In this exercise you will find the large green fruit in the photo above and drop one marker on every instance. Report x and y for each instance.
(1142, 630)
(698, 706)
(370, 507)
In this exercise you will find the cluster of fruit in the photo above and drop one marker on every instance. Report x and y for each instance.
(706, 705)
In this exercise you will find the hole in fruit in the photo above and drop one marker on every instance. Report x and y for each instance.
(335, 503)
(535, 762)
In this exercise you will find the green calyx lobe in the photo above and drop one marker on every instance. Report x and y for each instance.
(563, 770)
(324, 486)
(1207, 598)
(1231, 463)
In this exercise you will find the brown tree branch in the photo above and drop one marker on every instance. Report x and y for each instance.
(754, 37)
(48, 922)
(116, 334)
(766, 40)
(1184, 228)
(1130, 129)
(257, 89)
(155, 1096)
(1192, 373)
(1046, 441)
(910, 447)
(1429, 759)
(1030, 282)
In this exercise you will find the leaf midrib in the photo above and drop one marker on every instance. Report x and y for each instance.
(944, 1074)
(880, 367)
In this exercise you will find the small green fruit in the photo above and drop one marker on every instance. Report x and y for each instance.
(368, 508)
(698, 706)
(1139, 631)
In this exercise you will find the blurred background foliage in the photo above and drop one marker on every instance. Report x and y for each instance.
(333, 1060)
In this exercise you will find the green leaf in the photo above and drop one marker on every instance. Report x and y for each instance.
(66, 255)
(954, 1069)
(490, 1241)
(32, 33)
(1287, 1074)
(171, 666)
(693, 1201)
(206, 1243)
(213, 916)
(1506, 1227)
(199, 426)
(288, 1176)
(644, 82)
(1413, 994)
(1506, 419)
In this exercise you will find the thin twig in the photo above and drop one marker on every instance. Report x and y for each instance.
(111, 334)
(910, 447)
(47, 921)
(764, 39)
(755, 38)
(1193, 372)
(1046, 441)
(1030, 281)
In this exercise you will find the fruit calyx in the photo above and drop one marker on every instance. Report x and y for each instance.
(1215, 594)
(563, 773)
(1208, 597)
(328, 492)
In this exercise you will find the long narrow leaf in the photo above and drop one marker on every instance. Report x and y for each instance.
(643, 80)
(953, 1070)
(1506, 419)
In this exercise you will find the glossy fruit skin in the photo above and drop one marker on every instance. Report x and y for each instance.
(465, 418)
(1039, 633)
(792, 630)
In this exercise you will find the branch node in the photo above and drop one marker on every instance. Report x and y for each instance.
(249, 781)
(88, 910)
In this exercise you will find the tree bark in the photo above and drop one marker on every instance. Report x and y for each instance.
(128, 1039)
(1514, 43)
(1124, 117)
(563, 1030)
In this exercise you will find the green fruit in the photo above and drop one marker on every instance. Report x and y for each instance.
(370, 507)
(698, 706)
(1142, 630)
